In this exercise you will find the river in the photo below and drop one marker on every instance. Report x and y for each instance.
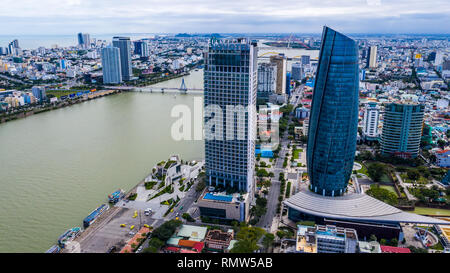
(57, 166)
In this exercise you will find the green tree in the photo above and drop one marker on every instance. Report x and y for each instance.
(247, 239)
(376, 171)
(268, 240)
(413, 174)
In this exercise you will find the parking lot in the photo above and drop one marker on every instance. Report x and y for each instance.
(112, 234)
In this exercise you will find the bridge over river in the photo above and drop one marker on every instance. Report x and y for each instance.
(182, 89)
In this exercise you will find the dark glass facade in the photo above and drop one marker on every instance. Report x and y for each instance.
(230, 80)
(334, 115)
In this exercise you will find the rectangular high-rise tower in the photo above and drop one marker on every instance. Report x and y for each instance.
(402, 129)
(372, 57)
(230, 79)
(111, 65)
(281, 62)
(267, 80)
(370, 123)
(124, 45)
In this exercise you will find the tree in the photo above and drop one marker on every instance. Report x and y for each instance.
(413, 174)
(373, 237)
(376, 171)
(393, 242)
(247, 239)
(201, 185)
(268, 240)
(166, 230)
(441, 143)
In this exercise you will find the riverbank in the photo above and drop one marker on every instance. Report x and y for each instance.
(57, 105)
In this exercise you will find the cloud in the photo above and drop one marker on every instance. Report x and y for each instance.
(151, 16)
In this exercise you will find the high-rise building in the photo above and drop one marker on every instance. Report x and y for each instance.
(15, 43)
(372, 57)
(296, 71)
(288, 83)
(39, 93)
(111, 65)
(305, 59)
(439, 58)
(141, 48)
(80, 39)
(334, 115)
(281, 62)
(371, 121)
(267, 80)
(124, 44)
(84, 40)
(402, 129)
(230, 81)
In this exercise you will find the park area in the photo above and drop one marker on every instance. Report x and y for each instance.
(432, 211)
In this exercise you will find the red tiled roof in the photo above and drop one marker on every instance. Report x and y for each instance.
(394, 249)
(173, 249)
(187, 251)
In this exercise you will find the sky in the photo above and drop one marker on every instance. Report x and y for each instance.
(52, 17)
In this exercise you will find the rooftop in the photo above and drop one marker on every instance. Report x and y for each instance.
(194, 233)
(354, 207)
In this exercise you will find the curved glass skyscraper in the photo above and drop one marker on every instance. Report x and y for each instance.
(334, 115)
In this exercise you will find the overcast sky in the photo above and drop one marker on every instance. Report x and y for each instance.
(203, 16)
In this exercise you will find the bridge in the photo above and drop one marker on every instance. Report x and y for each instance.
(150, 89)
(266, 55)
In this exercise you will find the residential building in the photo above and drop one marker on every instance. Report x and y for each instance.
(334, 115)
(218, 240)
(326, 239)
(305, 60)
(402, 129)
(84, 40)
(124, 45)
(112, 72)
(280, 61)
(267, 80)
(443, 158)
(296, 71)
(371, 121)
(39, 93)
(372, 57)
(141, 48)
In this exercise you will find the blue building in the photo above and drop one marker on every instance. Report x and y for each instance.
(288, 83)
(297, 71)
(334, 115)
(141, 48)
(230, 80)
(112, 72)
(39, 93)
(124, 45)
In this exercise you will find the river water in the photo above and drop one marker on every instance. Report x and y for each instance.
(57, 166)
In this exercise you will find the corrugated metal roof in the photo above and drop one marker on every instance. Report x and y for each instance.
(354, 207)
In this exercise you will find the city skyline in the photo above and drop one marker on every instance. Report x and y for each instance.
(354, 16)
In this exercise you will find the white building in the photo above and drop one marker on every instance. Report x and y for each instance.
(371, 121)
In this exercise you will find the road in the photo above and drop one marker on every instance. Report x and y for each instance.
(274, 191)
